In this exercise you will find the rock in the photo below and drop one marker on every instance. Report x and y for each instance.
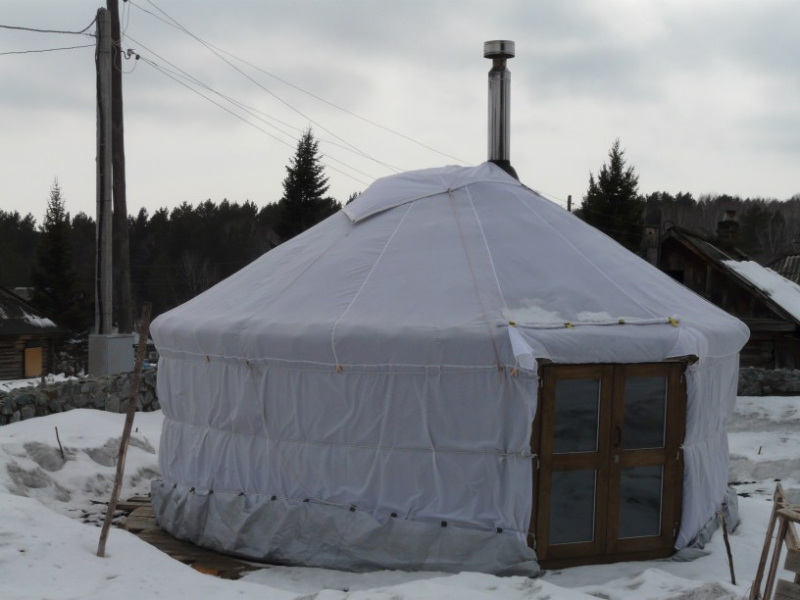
(28, 411)
(113, 404)
(150, 378)
(24, 399)
(79, 401)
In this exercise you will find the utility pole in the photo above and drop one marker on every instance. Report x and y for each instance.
(569, 203)
(103, 283)
(122, 246)
(108, 353)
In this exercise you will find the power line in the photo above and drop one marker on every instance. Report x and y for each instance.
(81, 32)
(164, 71)
(328, 157)
(241, 118)
(270, 92)
(47, 50)
(308, 93)
(344, 110)
(304, 91)
(252, 111)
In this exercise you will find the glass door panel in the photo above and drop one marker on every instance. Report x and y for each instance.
(644, 408)
(577, 415)
(640, 502)
(572, 506)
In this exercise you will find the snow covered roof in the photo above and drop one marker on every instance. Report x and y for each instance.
(781, 291)
(788, 266)
(18, 317)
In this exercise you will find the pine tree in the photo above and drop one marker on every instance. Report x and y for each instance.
(304, 203)
(53, 275)
(612, 203)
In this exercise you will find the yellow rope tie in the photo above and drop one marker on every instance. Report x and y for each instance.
(339, 368)
(673, 321)
(514, 371)
(569, 325)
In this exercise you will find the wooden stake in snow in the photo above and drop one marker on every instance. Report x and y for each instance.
(126, 432)
(727, 544)
(60, 447)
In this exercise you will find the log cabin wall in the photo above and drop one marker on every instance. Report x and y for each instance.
(12, 354)
(774, 339)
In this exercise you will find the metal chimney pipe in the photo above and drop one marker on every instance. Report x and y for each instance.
(500, 103)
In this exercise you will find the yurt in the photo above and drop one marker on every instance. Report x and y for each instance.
(451, 373)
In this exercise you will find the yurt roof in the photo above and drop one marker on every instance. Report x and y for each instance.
(460, 266)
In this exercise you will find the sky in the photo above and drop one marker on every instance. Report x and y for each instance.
(702, 94)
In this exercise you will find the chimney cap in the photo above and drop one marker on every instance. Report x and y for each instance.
(499, 49)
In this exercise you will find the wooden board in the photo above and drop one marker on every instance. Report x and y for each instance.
(792, 562)
(786, 590)
(142, 522)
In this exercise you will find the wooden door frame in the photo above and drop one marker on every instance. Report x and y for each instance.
(606, 548)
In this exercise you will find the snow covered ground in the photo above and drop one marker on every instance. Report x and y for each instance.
(50, 508)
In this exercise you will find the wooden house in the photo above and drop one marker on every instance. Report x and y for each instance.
(711, 267)
(27, 338)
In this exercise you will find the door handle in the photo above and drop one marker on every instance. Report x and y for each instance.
(617, 436)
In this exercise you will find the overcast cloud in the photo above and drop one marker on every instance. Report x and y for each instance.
(704, 95)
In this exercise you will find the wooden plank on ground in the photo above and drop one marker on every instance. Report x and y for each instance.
(142, 523)
(786, 590)
(792, 562)
(129, 506)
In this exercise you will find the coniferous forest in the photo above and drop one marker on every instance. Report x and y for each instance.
(175, 254)
(178, 253)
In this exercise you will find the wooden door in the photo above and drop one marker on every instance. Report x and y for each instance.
(574, 460)
(33, 362)
(610, 474)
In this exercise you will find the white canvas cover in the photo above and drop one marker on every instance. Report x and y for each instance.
(362, 396)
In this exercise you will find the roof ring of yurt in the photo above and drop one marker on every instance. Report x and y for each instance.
(451, 373)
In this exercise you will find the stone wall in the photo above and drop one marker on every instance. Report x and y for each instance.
(769, 382)
(109, 393)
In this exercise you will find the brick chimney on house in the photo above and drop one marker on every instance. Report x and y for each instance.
(728, 230)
